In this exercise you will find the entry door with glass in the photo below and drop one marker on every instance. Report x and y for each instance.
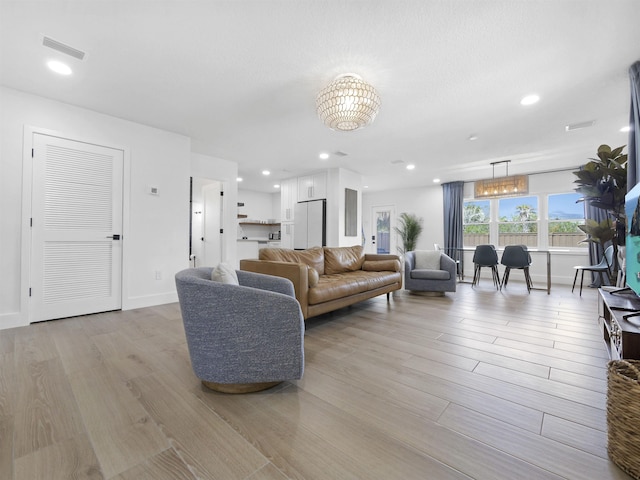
(382, 219)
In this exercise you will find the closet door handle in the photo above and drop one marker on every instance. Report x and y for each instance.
(114, 236)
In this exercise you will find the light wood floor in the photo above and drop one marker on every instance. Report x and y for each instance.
(477, 384)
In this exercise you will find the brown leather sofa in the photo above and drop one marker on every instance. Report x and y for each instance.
(328, 278)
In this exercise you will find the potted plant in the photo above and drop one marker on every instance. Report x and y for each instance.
(603, 184)
(409, 229)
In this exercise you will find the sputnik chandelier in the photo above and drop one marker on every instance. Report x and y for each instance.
(508, 186)
(347, 103)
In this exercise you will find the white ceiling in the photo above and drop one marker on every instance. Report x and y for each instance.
(240, 78)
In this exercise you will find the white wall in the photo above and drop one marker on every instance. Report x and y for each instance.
(259, 205)
(338, 179)
(425, 202)
(156, 229)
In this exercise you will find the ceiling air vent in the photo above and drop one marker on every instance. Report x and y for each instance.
(340, 154)
(396, 162)
(578, 126)
(61, 47)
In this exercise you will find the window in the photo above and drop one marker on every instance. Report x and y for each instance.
(476, 219)
(564, 217)
(518, 221)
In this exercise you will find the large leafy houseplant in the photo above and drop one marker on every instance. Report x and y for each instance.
(602, 182)
(409, 228)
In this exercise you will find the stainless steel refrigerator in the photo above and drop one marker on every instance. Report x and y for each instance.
(309, 224)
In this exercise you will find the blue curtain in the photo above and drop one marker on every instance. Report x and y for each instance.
(453, 195)
(633, 147)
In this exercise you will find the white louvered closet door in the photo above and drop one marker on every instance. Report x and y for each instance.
(76, 234)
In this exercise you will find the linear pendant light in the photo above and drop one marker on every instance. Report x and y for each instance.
(509, 186)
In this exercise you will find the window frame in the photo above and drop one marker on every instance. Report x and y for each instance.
(542, 222)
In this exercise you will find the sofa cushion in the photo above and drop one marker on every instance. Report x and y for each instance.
(427, 259)
(313, 277)
(223, 273)
(335, 286)
(314, 257)
(381, 265)
(343, 259)
(429, 274)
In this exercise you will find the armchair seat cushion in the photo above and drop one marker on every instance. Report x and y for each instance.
(427, 274)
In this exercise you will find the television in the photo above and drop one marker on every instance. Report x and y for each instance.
(632, 253)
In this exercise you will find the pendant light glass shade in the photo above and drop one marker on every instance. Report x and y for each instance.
(347, 103)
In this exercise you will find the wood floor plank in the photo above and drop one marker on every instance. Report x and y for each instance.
(207, 444)
(6, 446)
(166, 465)
(46, 409)
(548, 454)
(550, 387)
(69, 459)
(120, 428)
(573, 434)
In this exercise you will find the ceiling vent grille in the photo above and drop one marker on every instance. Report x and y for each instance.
(578, 126)
(340, 154)
(61, 47)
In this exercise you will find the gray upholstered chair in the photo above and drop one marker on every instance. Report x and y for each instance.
(438, 277)
(241, 338)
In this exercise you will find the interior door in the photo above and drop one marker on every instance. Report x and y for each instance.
(76, 234)
(382, 221)
(212, 223)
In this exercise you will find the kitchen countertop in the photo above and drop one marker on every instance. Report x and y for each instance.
(259, 240)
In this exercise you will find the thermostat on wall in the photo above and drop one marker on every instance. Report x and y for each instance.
(154, 191)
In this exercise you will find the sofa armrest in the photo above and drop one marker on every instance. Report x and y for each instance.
(296, 272)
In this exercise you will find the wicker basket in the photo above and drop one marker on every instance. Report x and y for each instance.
(623, 415)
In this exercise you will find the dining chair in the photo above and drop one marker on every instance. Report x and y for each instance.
(604, 265)
(485, 256)
(516, 256)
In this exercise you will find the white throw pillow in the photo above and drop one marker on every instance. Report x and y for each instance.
(427, 260)
(223, 273)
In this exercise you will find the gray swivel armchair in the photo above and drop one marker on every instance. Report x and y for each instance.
(440, 277)
(241, 338)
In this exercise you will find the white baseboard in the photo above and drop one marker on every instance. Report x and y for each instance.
(12, 320)
(149, 300)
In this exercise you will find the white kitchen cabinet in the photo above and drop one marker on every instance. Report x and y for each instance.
(286, 235)
(289, 198)
(312, 187)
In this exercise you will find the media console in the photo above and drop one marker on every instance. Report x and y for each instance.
(619, 321)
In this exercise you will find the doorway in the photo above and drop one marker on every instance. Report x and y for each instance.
(382, 221)
(76, 228)
(205, 246)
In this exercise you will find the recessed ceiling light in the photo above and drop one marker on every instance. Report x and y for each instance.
(239, 179)
(266, 172)
(436, 180)
(59, 67)
(276, 186)
(473, 137)
(323, 156)
(625, 129)
(530, 99)
(365, 186)
(411, 166)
